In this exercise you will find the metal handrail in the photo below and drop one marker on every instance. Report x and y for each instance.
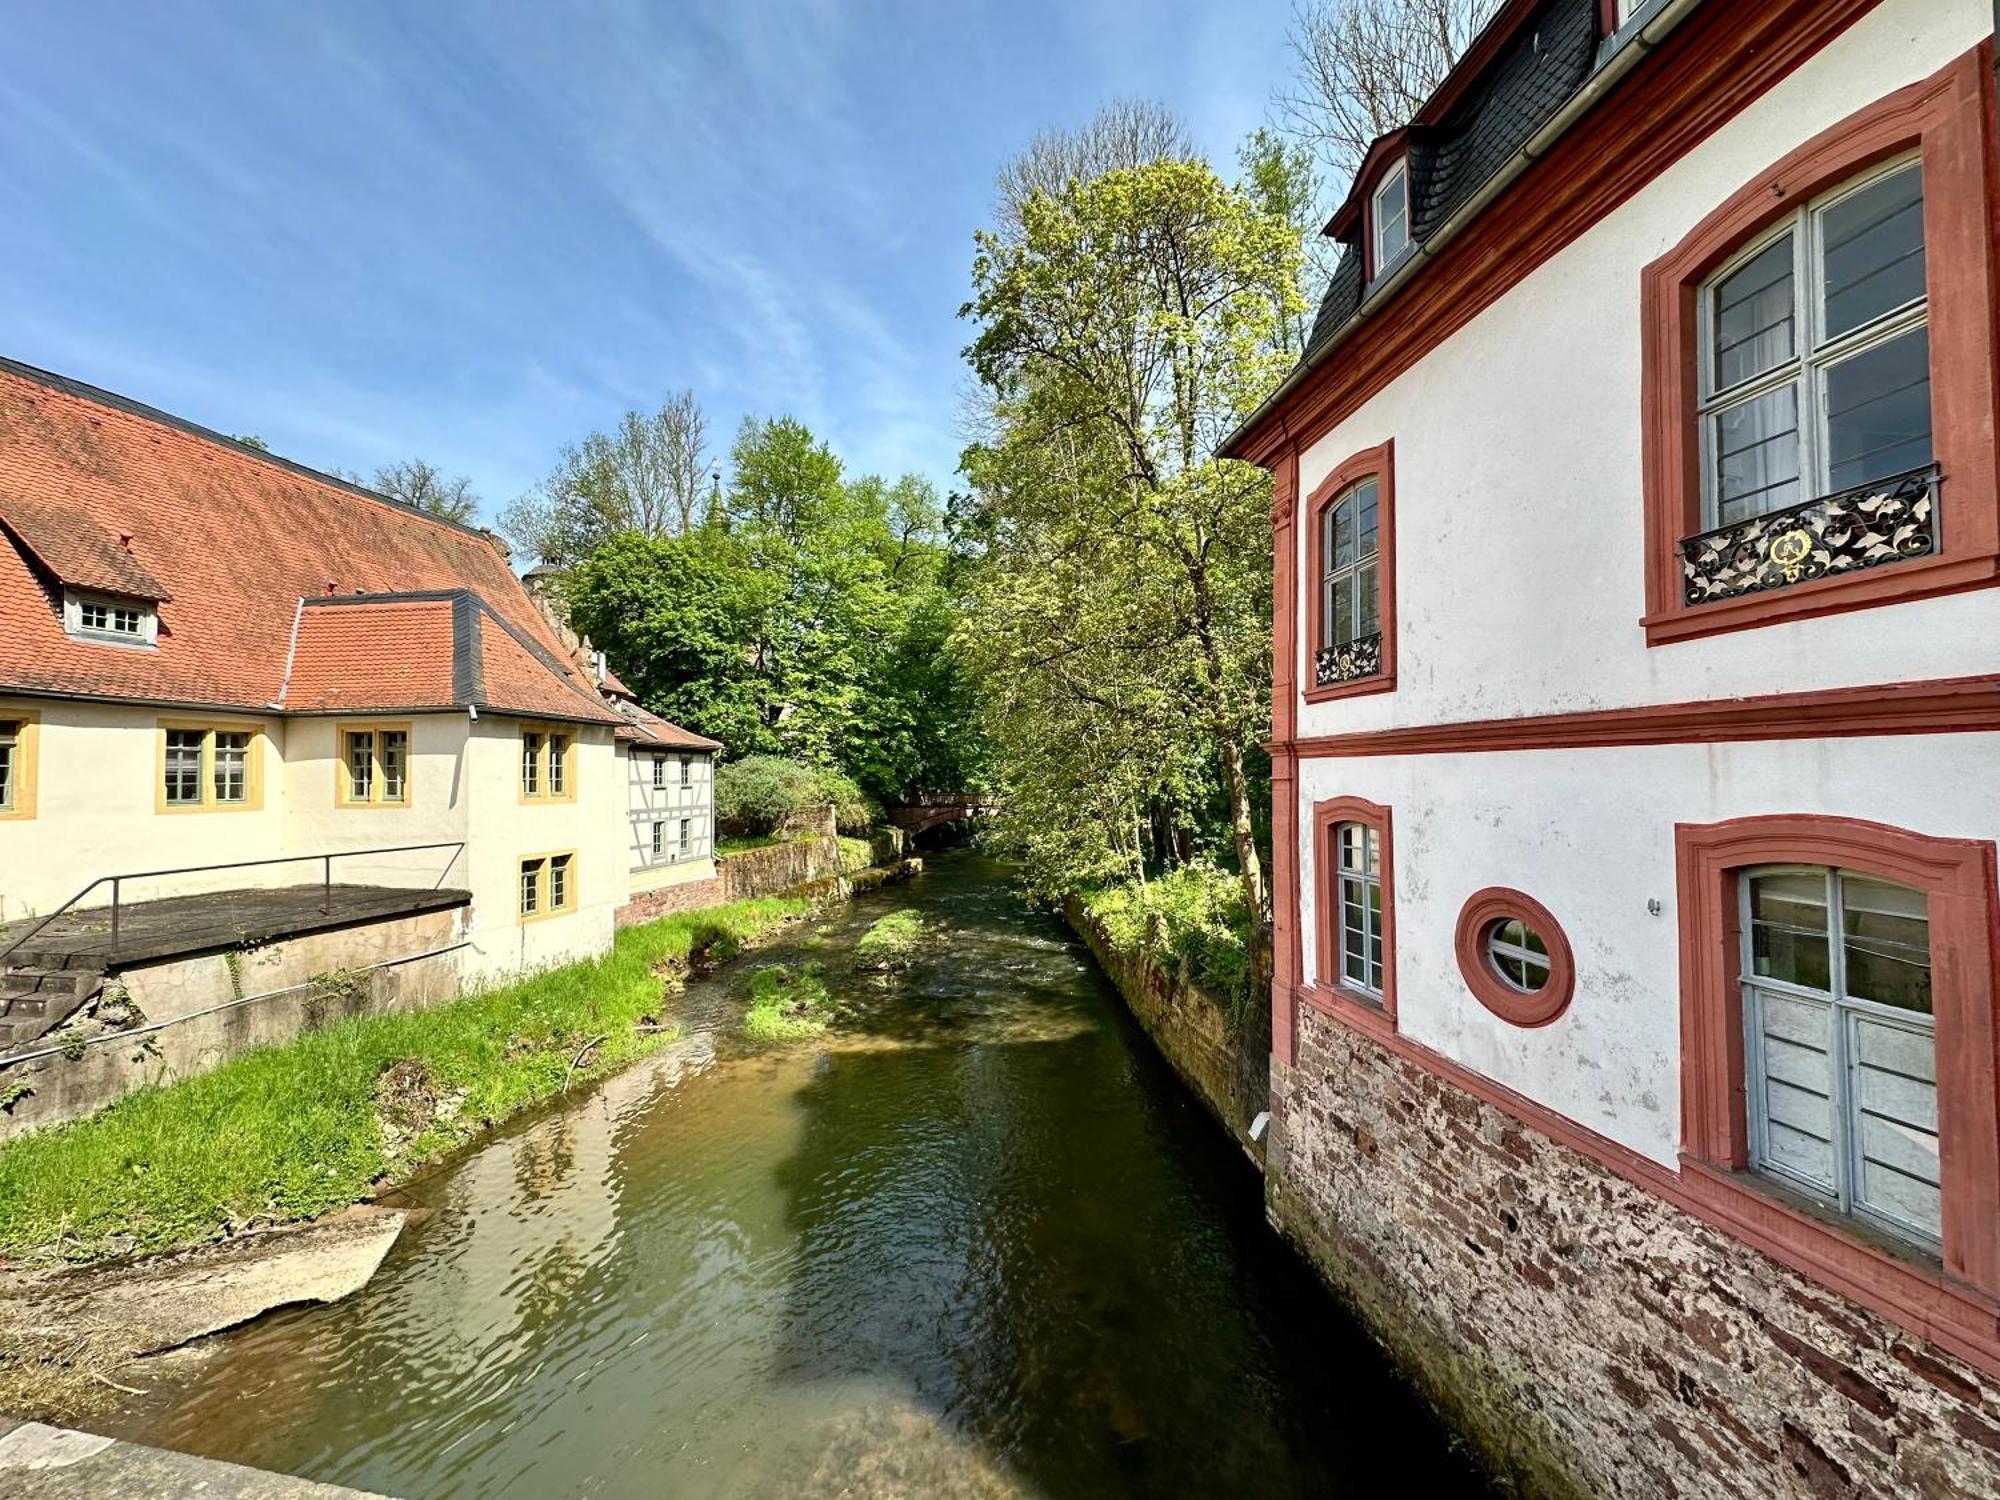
(326, 880)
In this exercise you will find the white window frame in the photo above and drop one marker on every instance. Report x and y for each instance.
(687, 769)
(12, 732)
(1812, 357)
(1330, 575)
(1842, 1107)
(1370, 927)
(1384, 257)
(659, 840)
(146, 620)
(659, 771)
(1498, 948)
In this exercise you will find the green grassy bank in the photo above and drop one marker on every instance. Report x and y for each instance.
(294, 1131)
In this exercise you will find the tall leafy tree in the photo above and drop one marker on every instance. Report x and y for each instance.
(648, 474)
(1123, 598)
(419, 483)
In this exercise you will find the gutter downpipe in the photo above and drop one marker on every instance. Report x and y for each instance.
(1623, 61)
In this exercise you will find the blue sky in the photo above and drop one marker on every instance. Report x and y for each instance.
(473, 232)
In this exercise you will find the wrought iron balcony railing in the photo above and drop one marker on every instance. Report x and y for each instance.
(1884, 521)
(1358, 658)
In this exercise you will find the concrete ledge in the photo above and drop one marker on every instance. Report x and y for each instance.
(57, 1463)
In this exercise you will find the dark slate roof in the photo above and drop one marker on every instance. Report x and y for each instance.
(1528, 80)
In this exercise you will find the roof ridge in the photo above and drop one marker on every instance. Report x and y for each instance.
(99, 396)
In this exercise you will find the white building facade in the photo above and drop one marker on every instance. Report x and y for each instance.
(1637, 713)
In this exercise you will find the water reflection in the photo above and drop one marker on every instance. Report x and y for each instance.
(978, 1244)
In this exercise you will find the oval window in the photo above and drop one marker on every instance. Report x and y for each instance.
(1514, 957)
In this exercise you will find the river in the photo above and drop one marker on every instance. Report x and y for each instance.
(978, 1241)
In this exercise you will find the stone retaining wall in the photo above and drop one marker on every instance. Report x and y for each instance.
(802, 866)
(1228, 1071)
(1587, 1336)
(186, 993)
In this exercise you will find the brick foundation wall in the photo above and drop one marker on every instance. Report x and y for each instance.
(1229, 1072)
(665, 900)
(1587, 1336)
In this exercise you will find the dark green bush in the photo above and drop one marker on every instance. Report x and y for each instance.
(759, 792)
(1194, 918)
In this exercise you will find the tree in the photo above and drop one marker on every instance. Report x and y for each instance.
(420, 485)
(250, 440)
(1123, 596)
(1124, 133)
(646, 475)
(1362, 68)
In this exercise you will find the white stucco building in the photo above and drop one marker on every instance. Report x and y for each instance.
(1636, 718)
(212, 656)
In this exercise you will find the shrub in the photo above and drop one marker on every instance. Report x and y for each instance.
(787, 1006)
(852, 811)
(1193, 919)
(759, 792)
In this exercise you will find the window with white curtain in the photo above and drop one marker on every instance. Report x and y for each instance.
(1815, 351)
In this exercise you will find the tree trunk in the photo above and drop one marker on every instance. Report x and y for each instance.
(1240, 829)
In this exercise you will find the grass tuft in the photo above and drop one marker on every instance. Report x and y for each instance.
(891, 943)
(294, 1131)
(787, 1005)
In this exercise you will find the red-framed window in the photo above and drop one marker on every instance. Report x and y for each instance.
(1515, 957)
(1351, 572)
(1918, 1062)
(1354, 874)
(1716, 407)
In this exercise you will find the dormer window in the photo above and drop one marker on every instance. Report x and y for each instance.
(1391, 217)
(98, 617)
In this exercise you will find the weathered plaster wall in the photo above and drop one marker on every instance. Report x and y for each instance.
(1587, 1336)
(98, 781)
(438, 809)
(1589, 834)
(503, 830)
(1520, 572)
(65, 1088)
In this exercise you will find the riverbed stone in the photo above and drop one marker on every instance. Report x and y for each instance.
(39, 1462)
(166, 1301)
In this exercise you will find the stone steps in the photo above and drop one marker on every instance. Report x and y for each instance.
(35, 1000)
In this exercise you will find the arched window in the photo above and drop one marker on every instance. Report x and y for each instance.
(1351, 575)
(1816, 361)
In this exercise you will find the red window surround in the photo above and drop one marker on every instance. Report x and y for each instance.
(1380, 465)
(1948, 118)
(1324, 990)
(1520, 1008)
(1960, 1303)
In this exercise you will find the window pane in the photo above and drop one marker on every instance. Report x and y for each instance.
(232, 767)
(687, 770)
(1392, 217)
(360, 765)
(395, 756)
(1793, 1097)
(1754, 317)
(558, 764)
(1886, 938)
(1757, 455)
(1367, 599)
(1874, 243)
(659, 770)
(184, 766)
(1367, 505)
(559, 882)
(687, 834)
(1343, 533)
(531, 886)
(10, 733)
(1788, 939)
(531, 763)
(1878, 411)
(1343, 610)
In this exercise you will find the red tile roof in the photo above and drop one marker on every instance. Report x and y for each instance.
(649, 729)
(395, 653)
(237, 539)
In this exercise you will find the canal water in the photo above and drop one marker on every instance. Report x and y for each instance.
(978, 1241)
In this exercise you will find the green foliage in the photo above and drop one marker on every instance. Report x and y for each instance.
(1122, 590)
(891, 943)
(852, 811)
(761, 791)
(787, 1005)
(812, 618)
(1192, 920)
(743, 843)
(290, 1132)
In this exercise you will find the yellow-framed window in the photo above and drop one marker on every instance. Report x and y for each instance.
(19, 739)
(209, 767)
(374, 769)
(548, 763)
(547, 885)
